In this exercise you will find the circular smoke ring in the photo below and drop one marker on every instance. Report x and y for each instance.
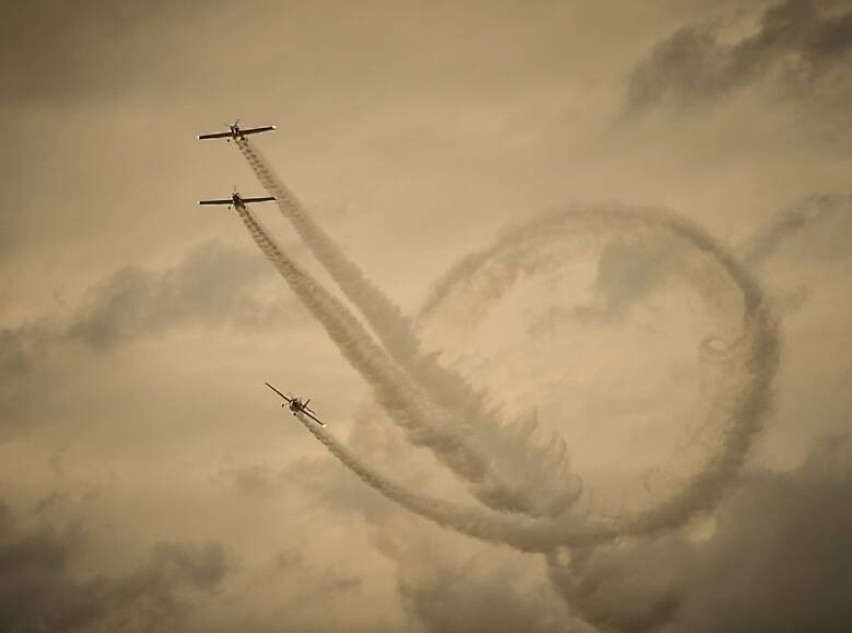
(750, 358)
(750, 354)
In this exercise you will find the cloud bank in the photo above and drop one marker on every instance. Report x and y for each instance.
(794, 41)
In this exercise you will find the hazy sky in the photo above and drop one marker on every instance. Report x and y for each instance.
(148, 479)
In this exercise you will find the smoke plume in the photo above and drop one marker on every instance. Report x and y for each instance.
(749, 353)
(534, 480)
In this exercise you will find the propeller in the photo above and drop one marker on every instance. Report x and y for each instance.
(232, 127)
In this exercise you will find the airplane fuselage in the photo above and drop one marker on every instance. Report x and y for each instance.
(296, 406)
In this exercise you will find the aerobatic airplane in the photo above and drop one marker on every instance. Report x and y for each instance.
(236, 132)
(236, 200)
(297, 406)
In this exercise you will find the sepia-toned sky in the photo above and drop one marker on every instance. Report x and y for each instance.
(150, 482)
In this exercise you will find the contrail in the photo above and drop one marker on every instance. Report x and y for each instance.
(751, 362)
(746, 350)
(387, 321)
(537, 478)
(741, 403)
(424, 424)
(752, 356)
(390, 325)
(525, 534)
(744, 406)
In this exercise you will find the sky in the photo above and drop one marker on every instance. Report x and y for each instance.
(624, 225)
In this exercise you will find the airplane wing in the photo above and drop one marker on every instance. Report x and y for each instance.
(265, 199)
(225, 201)
(314, 418)
(201, 137)
(257, 130)
(278, 392)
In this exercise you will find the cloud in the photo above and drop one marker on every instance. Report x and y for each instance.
(630, 273)
(778, 561)
(793, 41)
(791, 222)
(68, 49)
(627, 274)
(215, 286)
(39, 590)
(455, 587)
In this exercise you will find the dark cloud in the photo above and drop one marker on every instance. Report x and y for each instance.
(330, 484)
(779, 560)
(20, 349)
(66, 48)
(214, 286)
(627, 274)
(492, 606)
(692, 66)
(791, 222)
(6, 521)
(39, 590)
(314, 583)
(257, 480)
(630, 590)
(630, 273)
(455, 592)
(324, 480)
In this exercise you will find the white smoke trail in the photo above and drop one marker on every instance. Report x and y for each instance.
(749, 354)
(536, 475)
(744, 402)
(393, 329)
(525, 534)
(704, 264)
(424, 424)
(390, 325)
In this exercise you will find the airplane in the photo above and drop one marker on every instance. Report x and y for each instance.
(235, 132)
(297, 406)
(236, 200)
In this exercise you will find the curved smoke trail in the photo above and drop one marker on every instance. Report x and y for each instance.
(534, 480)
(746, 351)
(389, 324)
(751, 361)
(751, 355)
(424, 424)
(523, 533)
